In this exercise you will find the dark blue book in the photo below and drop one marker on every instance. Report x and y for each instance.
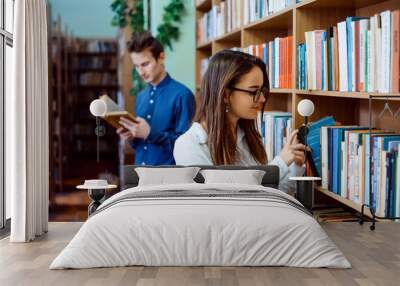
(330, 158)
(335, 160)
(388, 184)
(369, 170)
(330, 62)
(393, 181)
(380, 143)
(304, 67)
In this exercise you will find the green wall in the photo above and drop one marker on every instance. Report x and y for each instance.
(85, 18)
(92, 18)
(180, 62)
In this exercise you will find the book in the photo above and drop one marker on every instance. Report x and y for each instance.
(395, 51)
(277, 56)
(274, 127)
(343, 71)
(114, 112)
(222, 18)
(314, 142)
(359, 54)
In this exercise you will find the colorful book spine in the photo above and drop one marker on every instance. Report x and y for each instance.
(359, 54)
(364, 175)
(277, 56)
(273, 129)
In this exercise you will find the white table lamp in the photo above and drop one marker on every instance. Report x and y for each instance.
(305, 184)
(98, 107)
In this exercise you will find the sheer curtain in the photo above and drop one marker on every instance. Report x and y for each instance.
(27, 123)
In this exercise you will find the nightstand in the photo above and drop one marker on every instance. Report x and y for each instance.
(96, 191)
(305, 190)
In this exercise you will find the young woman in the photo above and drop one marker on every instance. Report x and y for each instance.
(234, 88)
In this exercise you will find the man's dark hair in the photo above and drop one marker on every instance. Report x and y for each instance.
(141, 41)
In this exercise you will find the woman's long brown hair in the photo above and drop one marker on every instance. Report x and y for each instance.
(225, 69)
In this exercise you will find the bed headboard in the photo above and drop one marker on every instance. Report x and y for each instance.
(270, 179)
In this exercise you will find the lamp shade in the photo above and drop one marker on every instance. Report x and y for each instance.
(305, 107)
(98, 107)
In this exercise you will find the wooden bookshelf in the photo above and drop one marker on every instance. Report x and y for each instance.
(345, 201)
(80, 71)
(95, 65)
(295, 20)
(59, 84)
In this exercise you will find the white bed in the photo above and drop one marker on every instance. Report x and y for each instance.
(224, 225)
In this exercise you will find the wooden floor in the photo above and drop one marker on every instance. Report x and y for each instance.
(374, 255)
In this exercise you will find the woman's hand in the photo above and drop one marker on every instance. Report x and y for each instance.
(130, 130)
(293, 151)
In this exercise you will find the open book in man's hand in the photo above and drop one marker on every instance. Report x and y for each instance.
(114, 112)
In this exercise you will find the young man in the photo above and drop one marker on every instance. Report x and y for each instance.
(164, 109)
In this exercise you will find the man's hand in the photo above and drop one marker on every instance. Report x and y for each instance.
(131, 130)
(293, 151)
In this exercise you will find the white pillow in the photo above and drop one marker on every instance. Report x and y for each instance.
(165, 176)
(248, 177)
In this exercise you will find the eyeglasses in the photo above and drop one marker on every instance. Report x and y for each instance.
(256, 94)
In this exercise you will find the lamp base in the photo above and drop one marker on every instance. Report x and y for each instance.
(305, 190)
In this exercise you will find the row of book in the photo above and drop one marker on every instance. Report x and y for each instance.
(359, 54)
(97, 46)
(277, 55)
(258, 9)
(95, 62)
(226, 16)
(83, 147)
(98, 78)
(221, 19)
(347, 171)
(274, 128)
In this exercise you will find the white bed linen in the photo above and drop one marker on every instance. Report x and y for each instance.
(200, 231)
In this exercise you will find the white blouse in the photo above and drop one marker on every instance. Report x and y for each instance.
(191, 149)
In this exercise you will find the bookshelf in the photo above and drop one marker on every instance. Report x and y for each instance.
(80, 70)
(94, 62)
(349, 108)
(59, 84)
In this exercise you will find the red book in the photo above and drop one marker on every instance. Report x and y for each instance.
(283, 59)
(260, 52)
(290, 61)
(287, 63)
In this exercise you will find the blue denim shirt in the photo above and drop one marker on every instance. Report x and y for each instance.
(169, 108)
